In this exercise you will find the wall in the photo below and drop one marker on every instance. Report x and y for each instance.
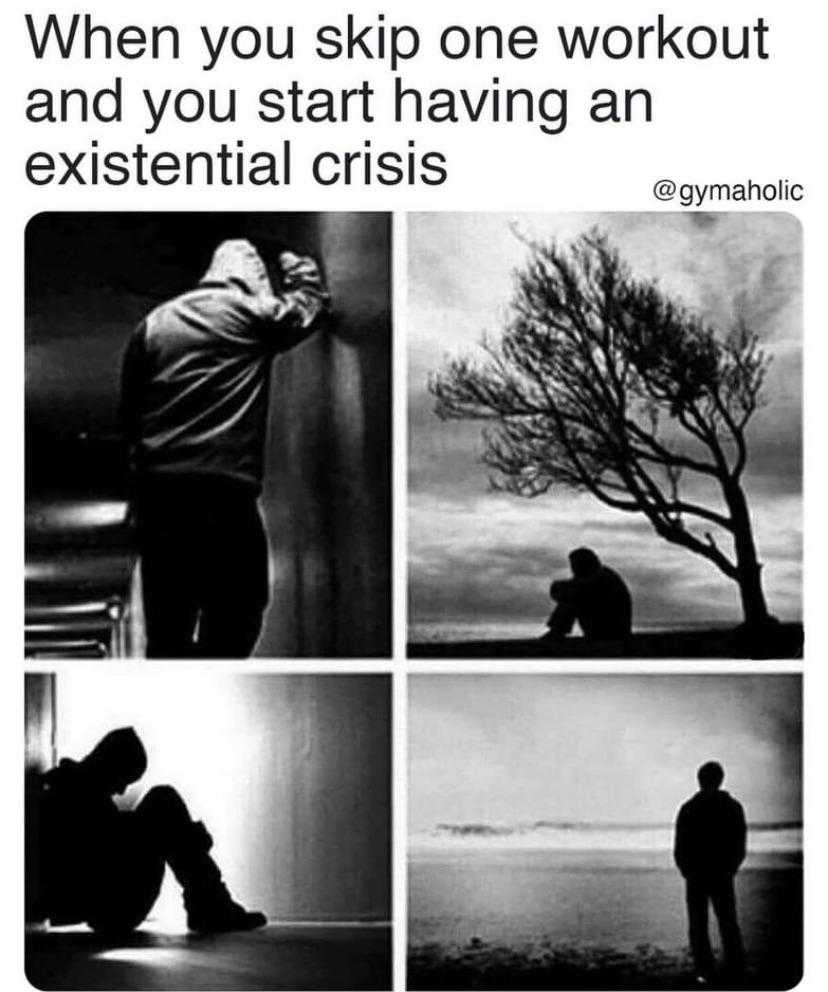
(327, 497)
(39, 756)
(291, 774)
(39, 722)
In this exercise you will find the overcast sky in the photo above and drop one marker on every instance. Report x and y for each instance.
(476, 555)
(609, 749)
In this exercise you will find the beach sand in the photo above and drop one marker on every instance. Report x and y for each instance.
(533, 919)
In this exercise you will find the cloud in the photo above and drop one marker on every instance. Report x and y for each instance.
(607, 748)
(493, 558)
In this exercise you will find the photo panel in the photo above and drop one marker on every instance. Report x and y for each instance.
(208, 394)
(605, 831)
(207, 831)
(604, 435)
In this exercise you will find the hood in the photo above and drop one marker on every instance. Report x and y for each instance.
(116, 761)
(237, 263)
(122, 749)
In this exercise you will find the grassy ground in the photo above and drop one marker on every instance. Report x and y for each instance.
(785, 641)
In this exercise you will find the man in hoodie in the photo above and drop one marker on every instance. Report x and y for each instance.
(596, 597)
(710, 843)
(194, 397)
(101, 866)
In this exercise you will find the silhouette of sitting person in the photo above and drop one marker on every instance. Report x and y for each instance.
(710, 840)
(101, 866)
(596, 597)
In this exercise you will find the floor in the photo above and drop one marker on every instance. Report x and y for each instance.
(275, 957)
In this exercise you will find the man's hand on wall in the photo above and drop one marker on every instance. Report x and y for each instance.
(304, 294)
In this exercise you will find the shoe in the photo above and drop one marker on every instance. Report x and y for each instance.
(223, 917)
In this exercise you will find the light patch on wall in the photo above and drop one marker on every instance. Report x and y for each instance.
(289, 774)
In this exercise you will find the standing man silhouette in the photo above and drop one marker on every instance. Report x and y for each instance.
(194, 399)
(710, 844)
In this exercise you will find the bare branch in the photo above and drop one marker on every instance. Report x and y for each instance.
(600, 382)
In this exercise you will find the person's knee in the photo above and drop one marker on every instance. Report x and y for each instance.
(163, 800)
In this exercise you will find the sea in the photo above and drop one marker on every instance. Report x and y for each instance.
(589, 886)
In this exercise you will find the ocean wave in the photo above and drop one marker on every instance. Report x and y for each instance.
(574, 836)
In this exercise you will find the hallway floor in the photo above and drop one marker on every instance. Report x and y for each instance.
(275, 957)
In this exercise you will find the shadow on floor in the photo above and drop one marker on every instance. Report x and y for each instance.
(275, 957)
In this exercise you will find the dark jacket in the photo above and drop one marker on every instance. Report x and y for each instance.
(711, 835)
(196, 372)
(77, 825)
(601, 603)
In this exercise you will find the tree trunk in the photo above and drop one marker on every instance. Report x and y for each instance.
(748, 567)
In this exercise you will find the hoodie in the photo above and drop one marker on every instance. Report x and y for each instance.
(195, 377)
(76, 820)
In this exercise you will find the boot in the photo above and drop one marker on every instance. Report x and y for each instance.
(210, 909)
(215, 912)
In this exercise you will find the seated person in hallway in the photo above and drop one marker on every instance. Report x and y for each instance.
(104, 867)
(710, 843)
(194, 400)
(596, 597)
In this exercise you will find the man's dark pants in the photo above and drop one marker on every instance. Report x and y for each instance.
(130, 862)
(204, 566)
(717, 890)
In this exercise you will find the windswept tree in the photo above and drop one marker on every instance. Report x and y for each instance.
(602, 383)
